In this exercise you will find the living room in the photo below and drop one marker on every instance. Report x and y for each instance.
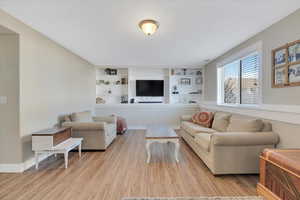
(141, 100)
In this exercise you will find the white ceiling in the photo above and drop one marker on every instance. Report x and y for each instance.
(105, 32)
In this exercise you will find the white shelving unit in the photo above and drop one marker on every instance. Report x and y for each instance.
(110, 87)
(189, 84)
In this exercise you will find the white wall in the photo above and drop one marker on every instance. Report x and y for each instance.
(9, 89)
(53, 81)
(282, 32)
(138, 116)
(148, 74)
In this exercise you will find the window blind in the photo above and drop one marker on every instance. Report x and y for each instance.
(240, 80)
(250, 79)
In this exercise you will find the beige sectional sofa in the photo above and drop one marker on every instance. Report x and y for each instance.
(232, 145)
(97, 132)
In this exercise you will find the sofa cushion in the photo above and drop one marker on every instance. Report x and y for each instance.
(85, 116)
(203, 140)
(221, 121)
(239, 123)
(203, 118)
(194, 129)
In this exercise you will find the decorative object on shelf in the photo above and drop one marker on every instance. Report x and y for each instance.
(109, 71)
(99, 82)
(198, 92)
(175, 90)
(199, 80)
(149, 26)
(286, 65)
(185, 81)
(124, 99)
(184, 72)
(172, 72)
(99, 100)
(113, 72)
(118, 82)
(106, 82)
(124, 81)
(132, 100)
(199, 73)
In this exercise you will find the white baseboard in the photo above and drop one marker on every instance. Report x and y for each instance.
(21, 167)
(11, 168)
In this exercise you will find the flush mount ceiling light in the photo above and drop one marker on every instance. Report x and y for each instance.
(149, 26)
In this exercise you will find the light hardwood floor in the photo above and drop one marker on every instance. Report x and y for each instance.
(121, 171)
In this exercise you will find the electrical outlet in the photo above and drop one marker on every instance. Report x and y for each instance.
(3, 100)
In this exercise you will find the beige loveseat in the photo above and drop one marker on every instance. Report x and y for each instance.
(97, 132)
(232, 145)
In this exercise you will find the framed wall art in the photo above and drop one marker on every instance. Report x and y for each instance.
(286, 65)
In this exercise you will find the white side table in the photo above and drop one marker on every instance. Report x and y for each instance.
(63, 148)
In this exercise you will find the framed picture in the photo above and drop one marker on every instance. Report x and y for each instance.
(280, 57)
(280, 76)
(185, 81)
(286, 65)
(294, 52)
(294, 73)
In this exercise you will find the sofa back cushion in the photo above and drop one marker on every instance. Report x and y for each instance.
(239, 123)
(85, 116)
(203, 118)
(221, 121)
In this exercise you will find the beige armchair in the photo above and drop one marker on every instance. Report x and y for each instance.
(97, 132)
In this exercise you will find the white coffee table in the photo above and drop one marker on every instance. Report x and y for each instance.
(161, 134)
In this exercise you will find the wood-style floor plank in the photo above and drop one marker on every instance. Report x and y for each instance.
(121, 171)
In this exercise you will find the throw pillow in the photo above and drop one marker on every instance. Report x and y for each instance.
(82, 117)
(67, 118)
(221, 121)
(244, 125)
(203, 118)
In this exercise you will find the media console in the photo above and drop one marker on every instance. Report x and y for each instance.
(150, 102)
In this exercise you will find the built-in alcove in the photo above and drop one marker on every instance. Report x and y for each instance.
(118, 85)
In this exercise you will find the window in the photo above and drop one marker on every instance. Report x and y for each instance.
(239, 81)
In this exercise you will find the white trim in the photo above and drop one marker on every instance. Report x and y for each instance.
(283, 113)
(21, 167)
(11, 168)
(242, 53)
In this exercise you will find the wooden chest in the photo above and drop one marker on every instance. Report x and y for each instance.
(280, 174)
(49, 138)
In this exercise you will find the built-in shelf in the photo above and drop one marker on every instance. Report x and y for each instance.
(178, 80)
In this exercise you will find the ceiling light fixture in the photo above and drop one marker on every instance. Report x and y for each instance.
(149, 26)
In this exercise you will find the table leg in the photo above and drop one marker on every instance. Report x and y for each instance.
(66, 159)
(176, 150)
(36, 160)
(79, 150)
(148, 151)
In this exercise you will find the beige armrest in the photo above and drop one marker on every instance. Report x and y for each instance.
(244, 138)
(85, 125)
(108, 119)
(186, 117)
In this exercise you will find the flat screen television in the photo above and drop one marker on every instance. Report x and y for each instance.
(149, 88)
